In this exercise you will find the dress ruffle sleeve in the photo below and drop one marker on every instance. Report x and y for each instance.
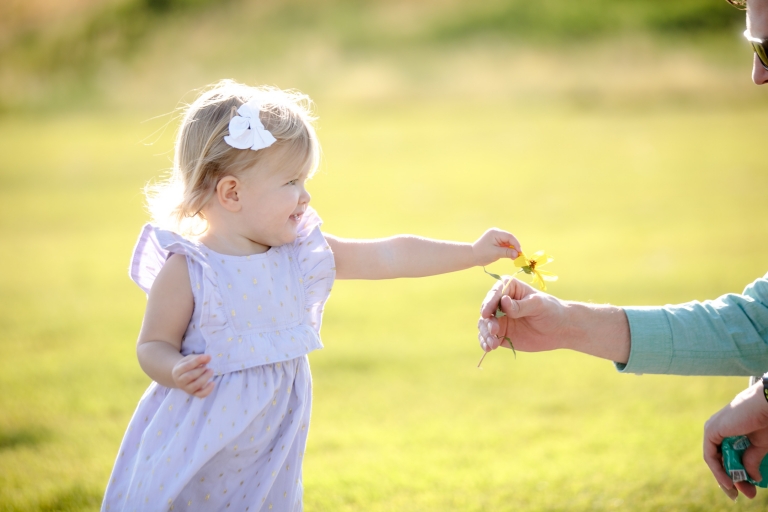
(153, 248)
(316, 264)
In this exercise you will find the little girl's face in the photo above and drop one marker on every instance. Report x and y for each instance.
(274, 198)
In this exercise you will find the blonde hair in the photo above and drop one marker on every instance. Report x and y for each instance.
(202, 157)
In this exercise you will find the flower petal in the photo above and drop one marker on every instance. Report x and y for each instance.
(547, 276)
(521, 261)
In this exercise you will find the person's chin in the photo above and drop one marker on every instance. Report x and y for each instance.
(289, 237)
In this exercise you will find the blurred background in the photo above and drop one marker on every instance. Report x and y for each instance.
(623, 137)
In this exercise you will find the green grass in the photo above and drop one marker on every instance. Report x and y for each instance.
(638, 205)
(115, 50)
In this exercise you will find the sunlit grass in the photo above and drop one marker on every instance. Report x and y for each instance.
(638, 206)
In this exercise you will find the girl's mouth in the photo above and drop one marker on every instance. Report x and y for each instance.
(296, 216)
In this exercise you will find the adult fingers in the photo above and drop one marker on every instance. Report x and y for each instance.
(747, 489)
(527, 306)
(491, 301)
(490, 326)
(752, 458)
(489, 342)
(483, 326)
(732, 493)
(715, 462)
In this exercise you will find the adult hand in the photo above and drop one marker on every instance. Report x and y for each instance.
(747, 414)
(532, 320)
(536, 321)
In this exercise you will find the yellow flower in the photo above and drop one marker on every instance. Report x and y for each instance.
(532, 266)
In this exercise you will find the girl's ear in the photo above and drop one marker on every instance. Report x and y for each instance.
(227, 192)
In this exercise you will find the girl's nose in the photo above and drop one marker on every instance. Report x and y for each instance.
(759, 73)
(305, 197)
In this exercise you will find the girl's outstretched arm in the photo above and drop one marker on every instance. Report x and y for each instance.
(413, 256)
(169, 309)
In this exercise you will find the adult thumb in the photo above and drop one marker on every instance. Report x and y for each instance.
(516, 308)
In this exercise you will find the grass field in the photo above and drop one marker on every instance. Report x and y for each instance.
(623, 138)
(638, 205)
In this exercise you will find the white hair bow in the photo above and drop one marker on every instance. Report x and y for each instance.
(246, 130)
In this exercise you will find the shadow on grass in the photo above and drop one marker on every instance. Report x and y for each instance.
(10, 439)
(74, 499)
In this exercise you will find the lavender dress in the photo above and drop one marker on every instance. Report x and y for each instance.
(241, 447)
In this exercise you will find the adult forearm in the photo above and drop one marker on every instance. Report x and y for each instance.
(724, 336)
(157, 359)
(597, 330)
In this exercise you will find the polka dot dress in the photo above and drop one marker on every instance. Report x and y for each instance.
(241, 447)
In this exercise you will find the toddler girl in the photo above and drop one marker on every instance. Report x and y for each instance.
(237, 273)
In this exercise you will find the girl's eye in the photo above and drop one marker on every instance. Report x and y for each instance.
(292, 182)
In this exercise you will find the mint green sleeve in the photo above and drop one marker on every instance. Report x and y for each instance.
(725, 336)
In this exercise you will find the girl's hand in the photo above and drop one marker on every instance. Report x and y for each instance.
(191, 375)
(493, 245)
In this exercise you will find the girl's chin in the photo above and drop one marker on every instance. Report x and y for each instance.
(289, 238)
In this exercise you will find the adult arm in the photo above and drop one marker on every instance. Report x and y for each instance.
(536, 321)
(726, 336)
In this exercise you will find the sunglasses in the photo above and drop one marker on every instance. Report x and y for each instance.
(760, 46)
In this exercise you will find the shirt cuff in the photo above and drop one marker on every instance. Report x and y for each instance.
(651, 341)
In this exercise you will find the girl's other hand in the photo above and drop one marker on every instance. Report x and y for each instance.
(493, 245)
(193, 376)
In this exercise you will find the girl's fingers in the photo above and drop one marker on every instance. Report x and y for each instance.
(201, 380)
(193, 374)
(205, 391)
(505, 250)
(505, 239)
(191, 362)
